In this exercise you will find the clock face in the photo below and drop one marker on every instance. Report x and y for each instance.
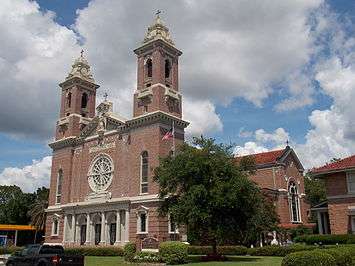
(100, 173)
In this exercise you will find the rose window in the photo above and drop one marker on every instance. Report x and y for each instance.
(101, 173)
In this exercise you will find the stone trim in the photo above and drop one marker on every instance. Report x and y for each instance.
(342, 196)
(123, 200)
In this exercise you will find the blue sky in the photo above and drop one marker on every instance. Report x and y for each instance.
(265, 94)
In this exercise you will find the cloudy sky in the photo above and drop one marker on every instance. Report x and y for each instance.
(254, 73)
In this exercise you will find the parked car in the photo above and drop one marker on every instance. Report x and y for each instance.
(44, 255)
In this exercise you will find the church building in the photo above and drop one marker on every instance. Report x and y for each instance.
(101, 187)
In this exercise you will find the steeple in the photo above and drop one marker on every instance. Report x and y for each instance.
(77, 100)
(81, 69)
(157, 72)
(158, 31)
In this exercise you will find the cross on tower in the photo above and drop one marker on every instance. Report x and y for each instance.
(287, 143)
(105, 96)
(82, 52)
(157, 13)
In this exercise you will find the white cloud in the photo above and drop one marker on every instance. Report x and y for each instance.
(30, 177)
(203, 117)
(264, 141)
(279, 136)
(35, 55)
(249, 147)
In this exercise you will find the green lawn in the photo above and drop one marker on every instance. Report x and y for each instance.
(235, 260)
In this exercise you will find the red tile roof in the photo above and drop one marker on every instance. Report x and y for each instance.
(266, 157)
(343, 164)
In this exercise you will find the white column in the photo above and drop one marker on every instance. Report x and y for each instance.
(103, 229)
(73, 228)
(65, 228)
(127, 226)
(118, 227)
(88, 229)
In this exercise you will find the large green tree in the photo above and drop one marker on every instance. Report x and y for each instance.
(202, 188)
(315, 190)
(14, 205)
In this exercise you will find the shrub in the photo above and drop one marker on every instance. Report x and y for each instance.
(278, 250)
(232, 250)
(129, 250)
(342, 256)
(173, 252)
(326, 239)
(199, 250)
(306, 258)
(94, 251)
(222, 250)
(149, 257)
(9, 250)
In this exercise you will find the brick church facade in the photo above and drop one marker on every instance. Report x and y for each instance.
(101, 187)
(279, 174)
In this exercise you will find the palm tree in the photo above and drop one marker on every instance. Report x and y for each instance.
(37, 212)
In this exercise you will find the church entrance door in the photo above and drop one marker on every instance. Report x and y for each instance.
(97, 233)
(112, 233)
(82, 234)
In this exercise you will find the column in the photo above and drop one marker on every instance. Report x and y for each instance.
(126, 226)
(73, 228)
(103, 229)
(88, 229)
(118, 227)
(65, 228)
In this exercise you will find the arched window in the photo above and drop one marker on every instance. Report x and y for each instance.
(149, 66)
(167, 68)
(55, 225)
(144, 172)
(84, 100)
(69, 100)
(294, 202)
(59, 187)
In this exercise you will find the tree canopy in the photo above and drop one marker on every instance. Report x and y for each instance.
(203, 189)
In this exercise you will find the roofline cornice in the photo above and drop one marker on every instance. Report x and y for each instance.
(158, 42)
(78, 81)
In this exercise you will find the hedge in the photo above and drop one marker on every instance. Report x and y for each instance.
(307, 258)
(342, 256)
(94, 251)
(223, 250)
(325, 239)
(173, 252)
(9, 250)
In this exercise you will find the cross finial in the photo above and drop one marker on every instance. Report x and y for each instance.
(287, 143)
(82, 52)
(105, 96)
(157, 13)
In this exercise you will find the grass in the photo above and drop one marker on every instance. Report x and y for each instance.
(233, 260)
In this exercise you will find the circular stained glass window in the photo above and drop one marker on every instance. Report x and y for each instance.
(101, 173)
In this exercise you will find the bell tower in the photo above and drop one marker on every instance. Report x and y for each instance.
(78, 96)
(157, 73)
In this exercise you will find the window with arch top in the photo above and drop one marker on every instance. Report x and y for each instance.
(84, 100)
(294, 202)
(68, 99)
(144, 172)
(149, 68)
(167, 68)
(58, 194)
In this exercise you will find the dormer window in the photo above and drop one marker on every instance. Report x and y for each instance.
(149, 68)
(84, 100)
(167, 68)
